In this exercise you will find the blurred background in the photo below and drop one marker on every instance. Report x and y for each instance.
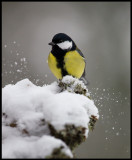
(102, 31)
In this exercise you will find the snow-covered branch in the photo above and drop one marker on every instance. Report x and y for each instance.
(48, 121)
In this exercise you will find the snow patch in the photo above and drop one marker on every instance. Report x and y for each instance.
(31, 108)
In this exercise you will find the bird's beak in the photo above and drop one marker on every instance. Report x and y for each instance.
(52, 43)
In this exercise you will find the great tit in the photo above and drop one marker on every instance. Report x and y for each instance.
(65, 58)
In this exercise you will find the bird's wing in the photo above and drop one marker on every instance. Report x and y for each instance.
(79, 51)
(86, 82)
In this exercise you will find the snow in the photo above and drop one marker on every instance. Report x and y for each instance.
(5, 45)
(18, 70)
(32, 147)
(117, 133)
(15, 63)
(31, 108)
(23, 59)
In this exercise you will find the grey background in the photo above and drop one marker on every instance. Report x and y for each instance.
(102, 31)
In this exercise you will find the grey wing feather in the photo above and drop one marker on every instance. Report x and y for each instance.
(83, 78)
(79, 51)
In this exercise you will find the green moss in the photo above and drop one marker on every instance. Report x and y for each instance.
(57, 154)
(74, 88)
(71, 135)
(92, 122)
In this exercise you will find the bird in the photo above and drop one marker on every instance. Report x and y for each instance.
(65, 58)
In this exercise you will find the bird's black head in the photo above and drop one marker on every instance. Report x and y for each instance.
(63, 41)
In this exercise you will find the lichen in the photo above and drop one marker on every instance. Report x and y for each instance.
(73, 87)
(71, 135)
(92, 122)
(58, 154)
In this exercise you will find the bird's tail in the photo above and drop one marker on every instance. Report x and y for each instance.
(85, 81)
(83, 78)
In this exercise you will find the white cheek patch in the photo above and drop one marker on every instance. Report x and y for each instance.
(65, 45)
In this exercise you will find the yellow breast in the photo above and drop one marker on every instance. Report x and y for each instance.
(74, 64)
(53, 66)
